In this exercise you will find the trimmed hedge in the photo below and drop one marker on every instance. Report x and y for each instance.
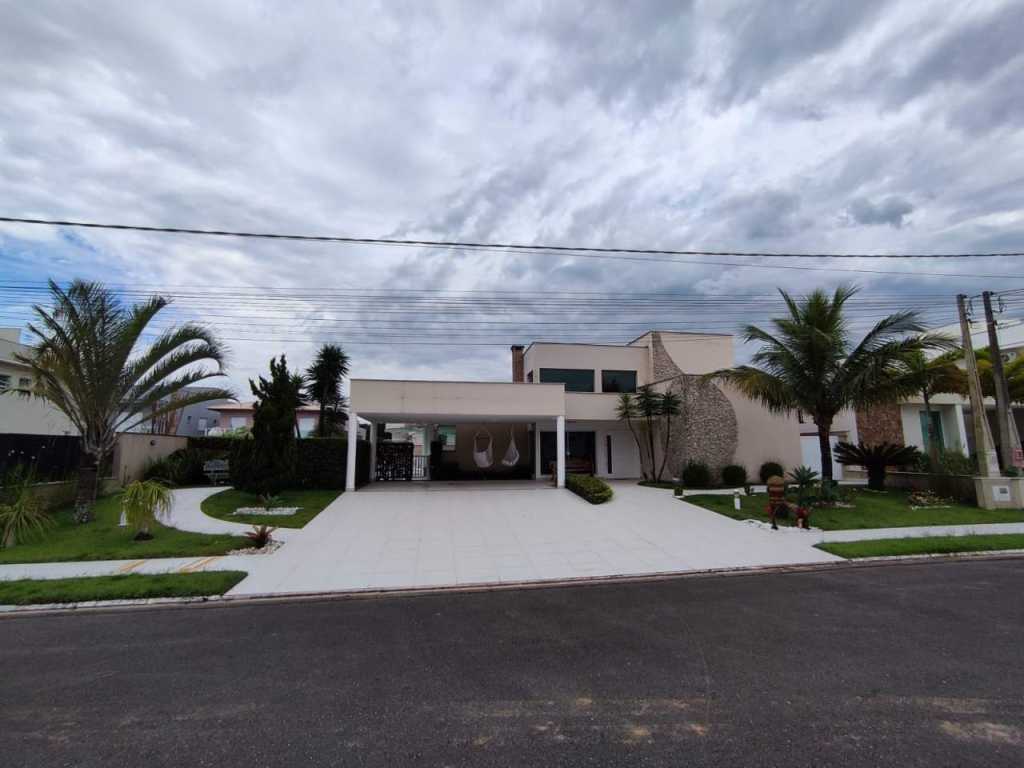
(696, 475)
(590, 488)
(770, 469)
(734, 475)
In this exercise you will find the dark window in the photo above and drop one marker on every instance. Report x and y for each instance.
(578, 445)
(608, 445)
(575, 379)
(618, 381)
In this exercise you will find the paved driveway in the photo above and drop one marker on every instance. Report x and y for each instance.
(413, 537)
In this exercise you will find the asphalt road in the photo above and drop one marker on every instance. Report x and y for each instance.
(894, 665)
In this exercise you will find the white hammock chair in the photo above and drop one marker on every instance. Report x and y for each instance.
(484, 458)
(512, 454)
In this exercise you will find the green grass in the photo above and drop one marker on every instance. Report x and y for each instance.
(925, 545)
(134, 586)
(887, 509)
(102, 539)
(222, 505)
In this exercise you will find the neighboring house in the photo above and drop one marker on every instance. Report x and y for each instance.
(240, 415)
(198, 419)
(905, 422)
(559, 411)
(20, 414)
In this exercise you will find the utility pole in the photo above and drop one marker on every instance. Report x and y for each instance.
(1008, 438)
(988, 463)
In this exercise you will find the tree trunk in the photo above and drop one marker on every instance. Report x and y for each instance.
(9, 540)
(321, 428)
(664, 455)
(825, 446)
(639, 447)
(929, 437)
(87, 483)
(650, 442)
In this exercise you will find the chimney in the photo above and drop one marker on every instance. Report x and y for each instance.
(518, 363)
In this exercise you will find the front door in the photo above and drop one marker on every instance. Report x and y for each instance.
(580, 451)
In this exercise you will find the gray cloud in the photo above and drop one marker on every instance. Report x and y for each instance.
(892, 211)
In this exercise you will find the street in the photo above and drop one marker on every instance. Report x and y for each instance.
(891, 665)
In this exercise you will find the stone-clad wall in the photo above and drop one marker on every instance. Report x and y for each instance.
(880, 424)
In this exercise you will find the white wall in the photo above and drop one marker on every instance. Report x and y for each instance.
(596, 357)
(697, 353)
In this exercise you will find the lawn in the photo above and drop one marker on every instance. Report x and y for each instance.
(925, 545)
(130, 587)
(886, 509)
(222, 505)
(102, 539)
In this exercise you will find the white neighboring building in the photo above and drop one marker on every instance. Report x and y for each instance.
(20, 414)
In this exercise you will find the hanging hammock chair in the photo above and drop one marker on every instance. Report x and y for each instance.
(485, 458)
(512, 454)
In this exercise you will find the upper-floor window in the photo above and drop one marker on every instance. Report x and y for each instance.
(618, 381)
(24, 382)
(575, 379)
(5, 382)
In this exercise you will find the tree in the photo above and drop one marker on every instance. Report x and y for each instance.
(876, 458)
(1013, 370)
(669, 406)
(266, 464)
(323, 384)
(648, 406)
(142, 503)
(932, 377)
(88, 362)
(626, 411)
(810, 364)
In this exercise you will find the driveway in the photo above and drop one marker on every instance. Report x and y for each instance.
(407, 536)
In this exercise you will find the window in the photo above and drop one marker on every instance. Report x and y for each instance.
(5, 382)
(446, 433)
(618, 381)
(575, 379)
(202, 424)
(24, 382)
(237, 422)
(935, 434)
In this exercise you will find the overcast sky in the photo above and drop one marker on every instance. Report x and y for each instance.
(802, 126)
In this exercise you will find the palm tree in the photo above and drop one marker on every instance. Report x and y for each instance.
(932, 377)
(810, 364)
(669, 405)
(626, 410)
(648, 406)
(323, 384)
(1013, 370)
(876, 458)
(89, 363)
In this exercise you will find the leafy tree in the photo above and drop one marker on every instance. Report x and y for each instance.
(1013, 370)
(266, 464)
(932, 377)
(809, 362)
(89, 363)
(323, 384)
(876, 459)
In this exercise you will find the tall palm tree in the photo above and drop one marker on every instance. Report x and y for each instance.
(670, 405)
(627, 411)
(323, 384)
(89, 363)
(1013, 370)
(932, 377)
(809, 363)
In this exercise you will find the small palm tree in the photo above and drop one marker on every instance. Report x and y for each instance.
(876, 458)
(143, 502)
(932, 377)
(810, 364)
(323, 384)
(804, 478)
(22, 515)
(648, 407)
(626, 410)
(669, 406)
(89, 364)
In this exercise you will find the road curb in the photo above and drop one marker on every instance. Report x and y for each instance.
(225, 601)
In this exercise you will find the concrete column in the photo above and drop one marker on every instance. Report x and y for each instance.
(373, 451)
(353, 444)
(560, 450)
(961, 429)
(538, 470)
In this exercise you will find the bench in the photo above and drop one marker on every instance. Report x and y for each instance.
(216, 470)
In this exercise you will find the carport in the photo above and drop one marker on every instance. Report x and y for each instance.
(381, 401)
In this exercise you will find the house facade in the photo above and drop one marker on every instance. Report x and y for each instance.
(558, 413)
(230, 415)
(20, 414)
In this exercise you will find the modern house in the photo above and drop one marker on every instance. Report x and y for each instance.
(558, 413)
(240, 416)
(20, 414)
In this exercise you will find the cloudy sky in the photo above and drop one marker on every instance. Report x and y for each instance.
(780, 126)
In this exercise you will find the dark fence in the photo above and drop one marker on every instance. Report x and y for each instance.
(50, 457)
(394, 461)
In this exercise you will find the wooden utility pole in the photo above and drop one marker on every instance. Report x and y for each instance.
(1008, 438)
(988, 463)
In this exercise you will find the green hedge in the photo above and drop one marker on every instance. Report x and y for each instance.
(593, 489)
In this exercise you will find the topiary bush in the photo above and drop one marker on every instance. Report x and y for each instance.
(696, 474)
(770, 469)
(734, 475)
(321, 462)
(590, 488)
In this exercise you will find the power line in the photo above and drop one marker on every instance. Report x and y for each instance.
(489, 246)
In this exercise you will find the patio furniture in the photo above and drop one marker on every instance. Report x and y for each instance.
(216, 470)
(483, 458)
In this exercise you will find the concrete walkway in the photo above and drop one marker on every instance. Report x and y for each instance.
(187, 515)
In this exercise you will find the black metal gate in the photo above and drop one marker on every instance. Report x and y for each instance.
(394, 461)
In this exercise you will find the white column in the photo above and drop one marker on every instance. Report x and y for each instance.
(538, 471)
(353, 441)
(373, 451)
(961, 429)
(560, 450)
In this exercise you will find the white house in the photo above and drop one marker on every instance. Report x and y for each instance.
(20, 414)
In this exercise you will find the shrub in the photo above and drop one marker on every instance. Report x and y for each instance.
(592, 489)
(734, 475)
(321, 462)
(875, 459)
(22, 516)
(260, 536)
(677, 490)
(770, 468)
(804, 478)
(696, 475)
(143, 503)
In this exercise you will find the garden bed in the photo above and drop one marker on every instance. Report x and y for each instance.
(871, 509)
(310, 503)
(133, 586)
(103, 539)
